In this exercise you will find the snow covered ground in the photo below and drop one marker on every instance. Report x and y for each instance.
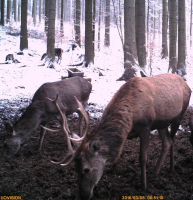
(21, 80)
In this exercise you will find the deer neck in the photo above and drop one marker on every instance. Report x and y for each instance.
(29, 122)
(113, 132)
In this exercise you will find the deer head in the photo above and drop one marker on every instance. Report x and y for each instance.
(12, 142)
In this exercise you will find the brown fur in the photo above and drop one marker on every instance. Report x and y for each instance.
(140, 105)
(41, 110)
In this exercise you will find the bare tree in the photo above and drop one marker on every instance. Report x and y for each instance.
(62, 17)
(89, 54)
(181, 66)
(24, 33)
(51, 29)
(107, 23)
(40, 10)
(15, 10)
(77, 22)
(172, 35)
(99, 25)
(164, 29)
(46, 15)
(130, 50)
(2, 12)
(8, 10)
(34, 11)
(140, 32)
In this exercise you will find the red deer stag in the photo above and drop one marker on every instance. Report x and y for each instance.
(41, 110)
(139, 106)
(58, 53)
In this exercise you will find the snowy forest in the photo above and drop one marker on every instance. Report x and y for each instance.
(67, 61)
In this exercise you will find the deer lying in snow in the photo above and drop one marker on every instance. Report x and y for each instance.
(139, 106)
(58, 53)
(41, 110)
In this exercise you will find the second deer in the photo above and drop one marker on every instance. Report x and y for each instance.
(41, 110)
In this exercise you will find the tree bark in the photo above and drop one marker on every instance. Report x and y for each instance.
(181, 67)
(2, 12)
(140, 32)
(51, 30)
(89, 54)
(24, 33)
(172, 35)
(107, 24)
(77, 22)
(164, 29)
(8, 10)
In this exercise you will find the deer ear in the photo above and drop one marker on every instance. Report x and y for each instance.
(95, 145)
(9, 129)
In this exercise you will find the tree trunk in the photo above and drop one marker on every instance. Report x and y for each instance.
(130, 50)
(140, 32)
(62, 17)
(172, 35)
(191, 25)
(99, 26)
(15, 10)
(107, 23)
(164, 29)
(181, 67)
(46, 15)
(93, 25)
(8, 10)
(19, 11)
(51, 29)
(24, 34)
(77, 22)
(40, 10)
(2, 12)
(34, 12)
(89, 54)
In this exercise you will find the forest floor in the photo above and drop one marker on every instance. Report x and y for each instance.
(31, 175)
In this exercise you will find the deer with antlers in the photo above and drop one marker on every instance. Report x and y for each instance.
(139, 106)
(41, 111)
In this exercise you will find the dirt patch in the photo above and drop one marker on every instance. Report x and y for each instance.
(31, 175)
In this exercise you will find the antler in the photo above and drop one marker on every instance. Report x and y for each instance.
(85, 115)
(64, 123)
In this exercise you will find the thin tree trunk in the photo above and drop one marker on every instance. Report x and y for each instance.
(107, 24)
(99, 26)
(51, 30)
(181, 67)
(89, 54)
(62, 17)
(140, 32)
(130, 50)
(77, 22)
(24, 34)
(8, 10)
(2, 12)
(164, 29)
(172, 35)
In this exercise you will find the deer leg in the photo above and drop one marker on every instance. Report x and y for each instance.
(174, 128)
(42, 134)
(144, 143)
(166, 144)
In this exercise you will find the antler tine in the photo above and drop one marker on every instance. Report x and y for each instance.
(48, 129)
(84, 113)
(64, 122)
